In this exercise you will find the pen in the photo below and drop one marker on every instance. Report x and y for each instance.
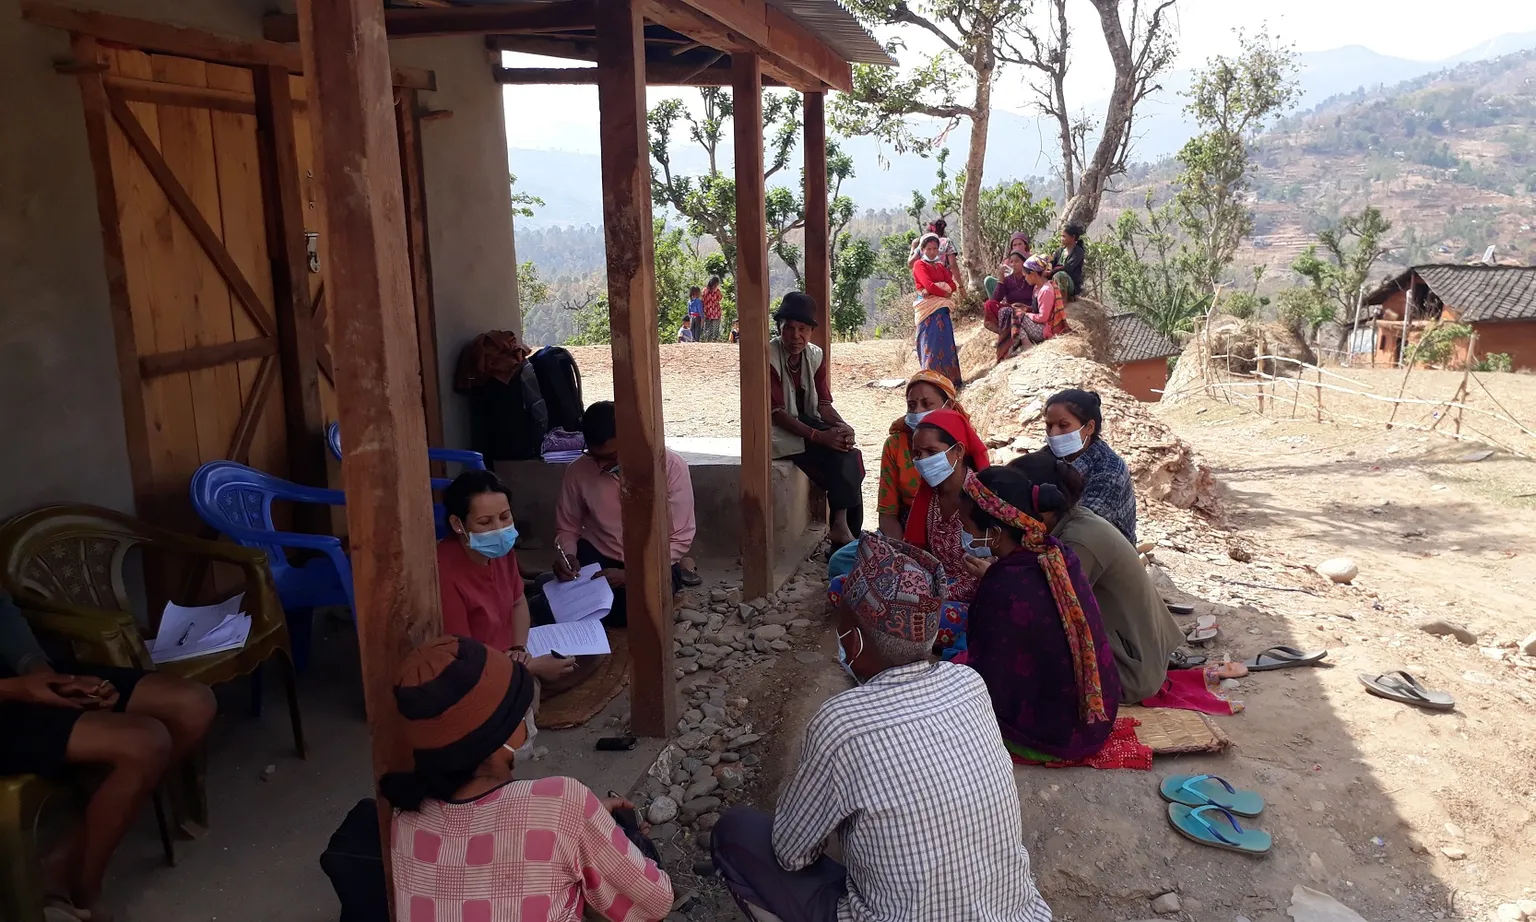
(563, 559)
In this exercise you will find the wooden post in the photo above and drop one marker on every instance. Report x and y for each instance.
(752, 308)
(818, 242)
(413, 181)
(378, 383)
(1466, 373)
(636, 362)
(290, 285)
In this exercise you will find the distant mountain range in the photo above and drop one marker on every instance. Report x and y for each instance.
(1019, 146)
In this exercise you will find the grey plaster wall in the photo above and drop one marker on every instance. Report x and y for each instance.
(60, 403)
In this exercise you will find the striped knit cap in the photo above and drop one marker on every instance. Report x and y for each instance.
(460, 702)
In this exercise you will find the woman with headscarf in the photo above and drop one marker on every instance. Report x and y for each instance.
(806, 426)
(1074, 432)
(1035, 633)
(926, 391)
(931, 309)
(946, 450)
(1012, 293)
(1141, 629)
(469, 841)
(1017, 243)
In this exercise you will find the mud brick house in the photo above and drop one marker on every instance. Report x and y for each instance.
(1497, 302)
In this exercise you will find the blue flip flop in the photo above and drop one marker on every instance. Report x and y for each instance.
(1217, 828)
(1210, 791)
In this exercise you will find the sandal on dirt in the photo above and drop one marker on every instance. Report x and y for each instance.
(1199, 637)
(1400, 686)
(1217, 828)
(1180, 608)
(1282, 657)
(1209, 790)
(1178, 659)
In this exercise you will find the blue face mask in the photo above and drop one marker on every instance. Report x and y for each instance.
(493, 544)
(934, 469)
(914, 419)
(842, 657)
(971, 547)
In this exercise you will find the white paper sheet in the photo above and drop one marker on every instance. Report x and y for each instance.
(198, 631)
(580, 598)
(575, 638)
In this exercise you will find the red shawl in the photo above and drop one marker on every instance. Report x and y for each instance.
(958, 426)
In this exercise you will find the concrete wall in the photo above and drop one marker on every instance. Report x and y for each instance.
(60, 403)
(1145, 380)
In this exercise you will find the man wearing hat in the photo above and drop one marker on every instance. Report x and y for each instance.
(806, 427)
(470, 842)
(908, 769)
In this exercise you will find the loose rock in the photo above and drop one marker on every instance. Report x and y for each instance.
(1528, 645)
(1167, 903)
(1453, 852)
(1339, 569)
(662, 810)
(699, 788)
(1510, 912)
(702, 805)
(731, 777)
(769, 632)
(1443, 628)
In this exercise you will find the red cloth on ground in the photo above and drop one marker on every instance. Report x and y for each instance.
(1121, 750)
(958, 425)
(1189, 690)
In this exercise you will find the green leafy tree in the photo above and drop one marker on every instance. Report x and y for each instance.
(531, 290)
(1009, 207)
(1231, 100)
(678, 268)
(523, 203)
(1147, 269)
(1338, 266)
(1438, 344)
(1305, 310)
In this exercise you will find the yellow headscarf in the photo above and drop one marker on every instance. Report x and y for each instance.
(939, 380)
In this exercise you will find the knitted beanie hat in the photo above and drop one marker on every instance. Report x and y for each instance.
(460, 702)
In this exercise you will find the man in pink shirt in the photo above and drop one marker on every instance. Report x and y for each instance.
(588, 522)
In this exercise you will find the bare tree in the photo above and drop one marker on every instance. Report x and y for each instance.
(1141, 47)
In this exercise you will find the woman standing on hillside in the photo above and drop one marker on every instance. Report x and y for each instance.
(931, 309)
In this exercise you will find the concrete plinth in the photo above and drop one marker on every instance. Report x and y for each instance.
(714, 464)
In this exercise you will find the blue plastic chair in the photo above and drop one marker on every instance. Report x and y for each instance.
(471, 460)
(237, 501)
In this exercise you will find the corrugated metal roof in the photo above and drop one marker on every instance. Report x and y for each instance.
(1133, 340)
(840, 29)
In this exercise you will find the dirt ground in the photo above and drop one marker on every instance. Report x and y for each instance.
(1398, 813)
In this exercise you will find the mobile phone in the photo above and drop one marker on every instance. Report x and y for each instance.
(615, 744)
(558, 655)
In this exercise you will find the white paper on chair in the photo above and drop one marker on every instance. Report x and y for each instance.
(580, 598)
(186, 632)
(574, 638)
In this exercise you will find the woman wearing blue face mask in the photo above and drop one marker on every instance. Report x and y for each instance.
(945, 449)
(1074, 430)
(477, 574)
(899, 480)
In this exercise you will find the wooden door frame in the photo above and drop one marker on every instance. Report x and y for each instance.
(289, 348)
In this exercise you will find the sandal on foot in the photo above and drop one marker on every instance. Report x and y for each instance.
(1178, 659)
(1400, 686)
(1217, 828)
(1210, 791)
(1282, 657)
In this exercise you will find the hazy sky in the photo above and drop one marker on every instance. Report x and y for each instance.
(1416, 29)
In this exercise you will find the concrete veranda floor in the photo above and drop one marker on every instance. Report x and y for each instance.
(259, 861)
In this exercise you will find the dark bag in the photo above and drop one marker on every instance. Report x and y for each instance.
(507, 422)
(354, 861)
(560, 382)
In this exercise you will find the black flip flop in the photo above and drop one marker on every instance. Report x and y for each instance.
(1400, 686)
(1181, 660)
(1180, 608)
(1283, 657)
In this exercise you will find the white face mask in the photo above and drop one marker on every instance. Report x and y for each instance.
(914, 419)
(1066, 444)
(934, 469)
(524, 753)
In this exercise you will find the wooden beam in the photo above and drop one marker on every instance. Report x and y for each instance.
(284, 203)
(818, 243)
(464, 20)
(752, 310)
(135, 89)
(627, 229)
(788, 50)
(158, 37)
(655, 75)
(544, 45)
(378, 385)
(413, 181)
(98, 129)
(161, 364)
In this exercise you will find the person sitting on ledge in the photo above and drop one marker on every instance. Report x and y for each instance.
(908, 770)
(477, 573)
(589, 521)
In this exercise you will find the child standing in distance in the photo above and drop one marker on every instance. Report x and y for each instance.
(695, 315)
(712, 296)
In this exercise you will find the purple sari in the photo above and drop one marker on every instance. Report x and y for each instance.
(1016, 641)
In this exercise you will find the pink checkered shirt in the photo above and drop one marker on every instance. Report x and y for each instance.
(529, 851)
